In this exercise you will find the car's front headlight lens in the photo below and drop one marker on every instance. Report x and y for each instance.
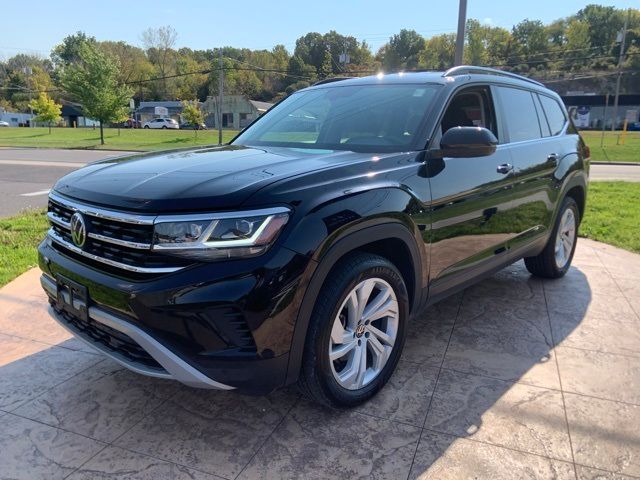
(214, 237)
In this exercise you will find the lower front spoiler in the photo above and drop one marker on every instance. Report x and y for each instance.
(173, 367)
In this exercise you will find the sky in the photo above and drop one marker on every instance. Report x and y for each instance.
(37, 26)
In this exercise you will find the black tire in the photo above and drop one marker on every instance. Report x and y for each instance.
(317, 380)
(146, 126)
(544, 265)
(164, 127)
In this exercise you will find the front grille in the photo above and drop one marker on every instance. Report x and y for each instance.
(121, 241)
(114, 340)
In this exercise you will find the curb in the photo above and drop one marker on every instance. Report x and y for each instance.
(622, 164)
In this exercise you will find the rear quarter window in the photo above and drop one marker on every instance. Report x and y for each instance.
(555, 114)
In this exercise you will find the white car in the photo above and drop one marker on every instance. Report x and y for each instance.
(161, 123)
(4, 124)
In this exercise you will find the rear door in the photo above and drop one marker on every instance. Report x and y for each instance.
(471, 198)
(535, 152)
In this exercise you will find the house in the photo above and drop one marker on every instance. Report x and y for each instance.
(15, 119)
(237, 111)
(73, 116)
(147, 111)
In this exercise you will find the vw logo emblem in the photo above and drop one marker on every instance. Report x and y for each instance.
(78, 229)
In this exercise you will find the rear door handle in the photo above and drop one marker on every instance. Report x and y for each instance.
(504, 168)
(552, 157)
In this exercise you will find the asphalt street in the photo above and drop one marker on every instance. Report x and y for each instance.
(27, 174)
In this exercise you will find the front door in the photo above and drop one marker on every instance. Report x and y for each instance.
(472, 212)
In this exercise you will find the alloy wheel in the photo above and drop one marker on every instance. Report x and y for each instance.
(565, 238)
(363, 333)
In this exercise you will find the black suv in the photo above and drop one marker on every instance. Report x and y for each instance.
(298, 252)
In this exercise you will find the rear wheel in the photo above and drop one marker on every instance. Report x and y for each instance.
(555, 260)
(146, 126)
(356, 332)
(164, 127)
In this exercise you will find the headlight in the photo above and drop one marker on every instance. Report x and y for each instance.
(219, 236)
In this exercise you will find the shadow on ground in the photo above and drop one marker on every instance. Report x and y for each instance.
(513, 378)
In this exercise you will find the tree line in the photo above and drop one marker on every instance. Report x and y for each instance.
(585, 42)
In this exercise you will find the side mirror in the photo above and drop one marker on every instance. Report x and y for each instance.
(460, 142)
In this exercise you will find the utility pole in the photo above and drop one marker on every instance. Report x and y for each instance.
(220, 94)
(462, 22)
(620, 61)
(28, 71)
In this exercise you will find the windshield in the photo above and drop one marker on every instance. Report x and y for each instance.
(360, 118)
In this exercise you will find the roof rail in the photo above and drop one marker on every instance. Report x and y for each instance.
(331, 80)
(468, 69)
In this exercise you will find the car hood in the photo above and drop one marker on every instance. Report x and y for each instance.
(189, 180)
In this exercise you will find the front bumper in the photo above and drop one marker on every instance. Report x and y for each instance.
(170, 365)
(225, 325)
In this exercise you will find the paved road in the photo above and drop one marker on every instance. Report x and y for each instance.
(27, 174)
(630, 173)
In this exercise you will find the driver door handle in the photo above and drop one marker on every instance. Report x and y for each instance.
(504, 168)
(552, 157)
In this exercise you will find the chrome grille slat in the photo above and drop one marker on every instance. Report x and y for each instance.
(131, 268)
(119, 240)
(103, 213)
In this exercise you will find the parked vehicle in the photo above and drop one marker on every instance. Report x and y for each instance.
(192, 126)
(4, 124)
(163, 123)
(131, 123)
(298, 252)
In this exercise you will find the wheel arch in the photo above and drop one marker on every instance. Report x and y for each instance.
(391, 240)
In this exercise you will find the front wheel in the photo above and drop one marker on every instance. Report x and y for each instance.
(356, 332)
(554, 261)
(146, 127)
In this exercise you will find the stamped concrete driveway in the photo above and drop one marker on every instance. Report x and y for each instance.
(513, 378)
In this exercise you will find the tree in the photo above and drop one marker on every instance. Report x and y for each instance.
(47, 109)
(93, 81)
(403, 50)
(68, 51)
(192, 114)
(159, 43)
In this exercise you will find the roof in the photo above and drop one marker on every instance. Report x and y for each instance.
(261, 106)
(165, 103)
(71, 111)
(152, 110)
(433, 78)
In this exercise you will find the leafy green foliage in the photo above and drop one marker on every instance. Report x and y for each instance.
(93, 81)
(192, 114)
(47, 109)
(583, 43)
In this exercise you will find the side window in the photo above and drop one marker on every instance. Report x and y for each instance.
(519, 114)
(470, 108)
(544, 125)
(554, 113)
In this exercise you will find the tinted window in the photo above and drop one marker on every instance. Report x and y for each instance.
(554, 113)
(519, 114)
(544, 126)
(363, 117)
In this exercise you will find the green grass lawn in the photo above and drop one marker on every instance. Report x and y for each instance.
(613, 214)
(611, 151)
(139, 139)
(19, 237)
